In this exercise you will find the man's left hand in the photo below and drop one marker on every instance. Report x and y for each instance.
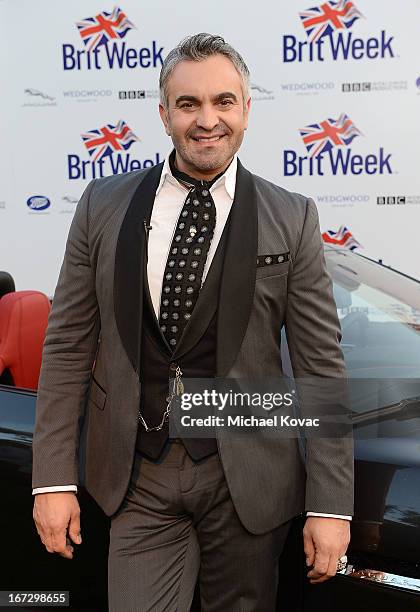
(325, 540)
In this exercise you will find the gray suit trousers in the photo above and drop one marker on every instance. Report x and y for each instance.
(176, 523)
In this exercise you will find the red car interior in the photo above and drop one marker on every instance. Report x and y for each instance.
(23, 322)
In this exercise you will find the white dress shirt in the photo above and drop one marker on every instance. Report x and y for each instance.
(169, 201)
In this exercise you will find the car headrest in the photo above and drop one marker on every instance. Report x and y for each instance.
(23, 322)
(7, 284)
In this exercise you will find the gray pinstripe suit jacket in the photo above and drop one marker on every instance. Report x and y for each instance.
(86, 425)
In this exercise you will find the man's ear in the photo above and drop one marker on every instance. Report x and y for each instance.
(164, 116)
(247, 108)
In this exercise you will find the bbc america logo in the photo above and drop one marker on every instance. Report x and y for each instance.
(391, 200)
(374, 86)
(134, 94)
(397, 200)
(356, 87)
(138, 94)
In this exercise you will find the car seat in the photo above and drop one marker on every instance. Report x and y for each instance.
(23, 322)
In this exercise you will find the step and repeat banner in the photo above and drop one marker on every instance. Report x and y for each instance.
(335, 113)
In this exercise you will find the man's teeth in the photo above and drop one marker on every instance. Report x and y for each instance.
(213, 139)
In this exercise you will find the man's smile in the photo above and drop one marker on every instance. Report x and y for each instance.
(207, 140)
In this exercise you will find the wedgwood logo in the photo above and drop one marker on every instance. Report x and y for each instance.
(343, 199)
(307, 88)
(87, 95)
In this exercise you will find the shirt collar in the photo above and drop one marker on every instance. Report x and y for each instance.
(228, 179)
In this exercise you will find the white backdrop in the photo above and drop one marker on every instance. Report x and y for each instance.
(364, 68)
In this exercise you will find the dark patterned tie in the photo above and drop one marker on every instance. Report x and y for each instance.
(187, 256)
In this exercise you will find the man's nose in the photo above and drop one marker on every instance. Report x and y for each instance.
(207, 117)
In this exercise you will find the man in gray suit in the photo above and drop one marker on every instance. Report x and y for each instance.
(189, 269)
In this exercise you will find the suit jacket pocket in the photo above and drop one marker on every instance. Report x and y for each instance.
(97, 394)
(277, 269)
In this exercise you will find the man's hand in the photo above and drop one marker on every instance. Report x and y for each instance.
(325, 540)
(53, 514)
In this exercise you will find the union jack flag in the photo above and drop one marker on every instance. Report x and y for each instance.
(343, 238)
(321, 137)
(99, 30)
(108, 139)
(330, 16)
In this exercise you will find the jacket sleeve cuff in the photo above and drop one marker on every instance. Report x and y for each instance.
(54, 489)
(338, 516)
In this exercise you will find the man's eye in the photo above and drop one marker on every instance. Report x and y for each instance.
(225, 102)
(186, 105)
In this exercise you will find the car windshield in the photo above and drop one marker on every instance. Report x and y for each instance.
(381, 334)
(379, 312)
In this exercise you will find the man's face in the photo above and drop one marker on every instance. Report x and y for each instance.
(206, 115)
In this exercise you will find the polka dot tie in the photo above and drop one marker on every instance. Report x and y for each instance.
(185, 265)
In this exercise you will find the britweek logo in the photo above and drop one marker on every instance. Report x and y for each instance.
(343, 237)
(328, 147)
(101, 36)
(329, 36)
(107, 148)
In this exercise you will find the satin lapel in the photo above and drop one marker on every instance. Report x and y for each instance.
(239, 270)
(130, 259)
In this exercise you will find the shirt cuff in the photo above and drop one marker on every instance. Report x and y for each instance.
(337, 516)
(54, 489)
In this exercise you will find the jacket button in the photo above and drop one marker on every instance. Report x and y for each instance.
(173, 366)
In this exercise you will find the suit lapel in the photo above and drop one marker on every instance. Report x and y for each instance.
(237, 281)
(130, 265)
(239, 270)
(232, 271)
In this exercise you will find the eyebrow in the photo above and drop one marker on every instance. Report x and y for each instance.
(220, 96)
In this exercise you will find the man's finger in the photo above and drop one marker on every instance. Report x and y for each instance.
(59, 541)
(47, 541)
(331, 571)
(332, 567)
(320, 569)
(69, 549)
(74, 528)
(309, 548)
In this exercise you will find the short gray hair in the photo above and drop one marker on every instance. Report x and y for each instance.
(197, 48)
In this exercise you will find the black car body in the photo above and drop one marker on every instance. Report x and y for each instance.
(379, 310)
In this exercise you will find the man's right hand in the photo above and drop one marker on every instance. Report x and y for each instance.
(54, 514)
